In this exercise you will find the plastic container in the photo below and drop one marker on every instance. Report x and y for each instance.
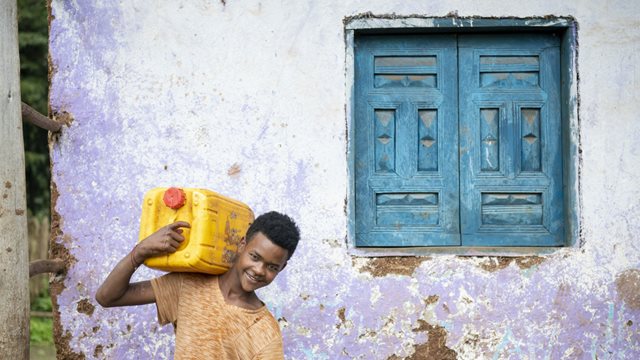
(218, 224)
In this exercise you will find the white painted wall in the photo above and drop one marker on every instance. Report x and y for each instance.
(187, 92)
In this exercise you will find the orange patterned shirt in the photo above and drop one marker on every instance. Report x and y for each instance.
(209, 328)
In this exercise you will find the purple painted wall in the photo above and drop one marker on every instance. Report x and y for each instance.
(248, 99)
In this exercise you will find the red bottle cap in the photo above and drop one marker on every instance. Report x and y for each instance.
(174, 198)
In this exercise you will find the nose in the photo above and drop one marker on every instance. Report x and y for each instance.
(260, 269)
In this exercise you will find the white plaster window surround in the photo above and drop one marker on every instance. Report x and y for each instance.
(383, 25)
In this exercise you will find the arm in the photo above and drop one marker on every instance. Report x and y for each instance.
(117, 290)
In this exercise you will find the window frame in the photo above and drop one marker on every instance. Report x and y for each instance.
(358, 25)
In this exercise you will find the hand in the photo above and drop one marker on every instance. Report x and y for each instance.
(164, 241)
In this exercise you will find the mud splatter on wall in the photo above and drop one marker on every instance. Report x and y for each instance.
(248, 99)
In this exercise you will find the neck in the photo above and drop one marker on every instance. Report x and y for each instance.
(232, 289)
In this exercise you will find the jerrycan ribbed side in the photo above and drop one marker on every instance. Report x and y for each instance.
(218, 224)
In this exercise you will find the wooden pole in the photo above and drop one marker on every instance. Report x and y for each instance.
(14, 254)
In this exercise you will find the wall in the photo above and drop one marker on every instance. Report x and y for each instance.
(248, 99)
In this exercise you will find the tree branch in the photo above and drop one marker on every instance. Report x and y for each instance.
(32, 116)
(45, 266)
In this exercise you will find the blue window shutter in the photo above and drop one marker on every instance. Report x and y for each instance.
(510, 140)
(406, 141)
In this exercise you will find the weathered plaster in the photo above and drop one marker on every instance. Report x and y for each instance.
(250, 99)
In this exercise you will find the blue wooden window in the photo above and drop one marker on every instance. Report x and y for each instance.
(457, 140)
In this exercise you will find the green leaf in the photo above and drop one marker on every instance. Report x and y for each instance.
(41, 330)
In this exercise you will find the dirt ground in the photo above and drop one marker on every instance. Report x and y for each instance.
(42, 352)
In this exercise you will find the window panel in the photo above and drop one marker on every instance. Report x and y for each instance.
(490, 139)
(530, 140)
(511, 209)
(458, 140)
(428, 137)
(405, 71)
(509, 71)
(407, 209)
(385, 125)
(512, 192)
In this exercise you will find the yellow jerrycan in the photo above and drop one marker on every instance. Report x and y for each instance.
(218, 223)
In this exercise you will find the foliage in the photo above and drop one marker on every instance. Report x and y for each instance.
(41, 330)
(42, 303)
(34, 85)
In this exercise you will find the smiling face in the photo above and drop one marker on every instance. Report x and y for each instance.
(258, 262)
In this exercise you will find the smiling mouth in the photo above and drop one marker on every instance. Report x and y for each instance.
(252, 278)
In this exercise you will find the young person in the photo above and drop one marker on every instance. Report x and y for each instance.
(215, 317)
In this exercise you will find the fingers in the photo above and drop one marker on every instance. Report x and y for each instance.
(174, 232)
(167, 245)
(166, 239)
(177, 236)
(178, 224)
(172, 245)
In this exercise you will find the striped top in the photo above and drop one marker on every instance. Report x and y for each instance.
(207, 327)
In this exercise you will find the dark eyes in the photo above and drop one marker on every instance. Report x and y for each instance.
(255, 257)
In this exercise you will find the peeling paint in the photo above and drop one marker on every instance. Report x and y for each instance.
(435, 347)
(63, 117)
(86, 307)
(498, 263)
(342, 317)
(628, 287)
(332, 243)
(234, 169)
(56, 283)
(62, 348)
(432, 299)
(379, 267)
(97, 352)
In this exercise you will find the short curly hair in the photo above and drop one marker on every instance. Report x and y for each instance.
(279, 228)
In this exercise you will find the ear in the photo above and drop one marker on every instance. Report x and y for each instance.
(242, 245)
